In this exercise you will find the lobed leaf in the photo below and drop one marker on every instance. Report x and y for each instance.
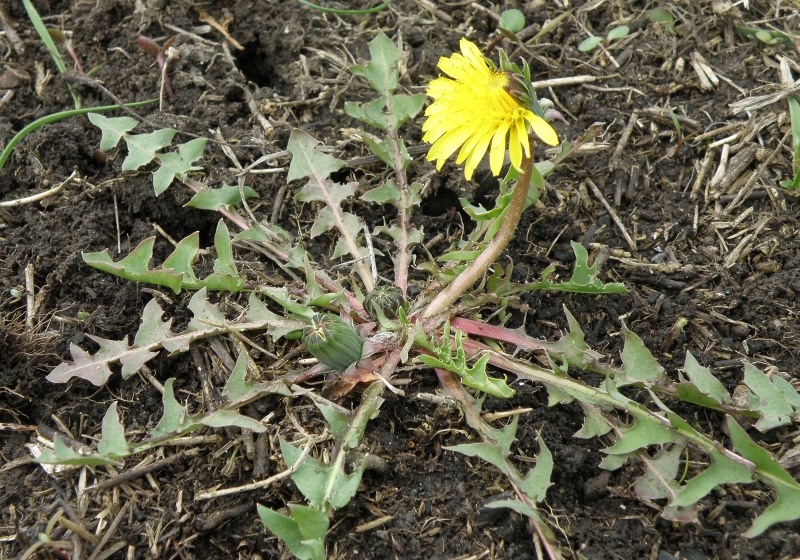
(382, 70)
(143, 148)
(772, 397)
(315, 479)
(176, 273)
(451, 356)
(113, 129)
(703, 389)
(154, 334)
(180, 164)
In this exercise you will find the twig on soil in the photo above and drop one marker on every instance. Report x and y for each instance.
(30, 298)
(701, 174)
(666, 117)
(745, 190)
(716, 132)
(148, 374)
(743, 248)
(110, 531)
(612, 213)
(364, 527)
(133, 474)
(11, 33)
(172, 53)
(736, 166)
(721, 168)
(194, 36)
(221, 27)
(256, 485)
(431, 7)
(613, 162)
(116, 223)
(41, 196)
(568, 81)
(208, 521)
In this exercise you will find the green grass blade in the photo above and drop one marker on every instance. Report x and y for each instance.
(38, 24)
(342, 12)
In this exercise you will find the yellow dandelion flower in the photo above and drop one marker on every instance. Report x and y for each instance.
(473, 108)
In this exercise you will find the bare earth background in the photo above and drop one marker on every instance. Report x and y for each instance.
(716, 246)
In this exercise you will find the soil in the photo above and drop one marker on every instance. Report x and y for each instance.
(691, 239)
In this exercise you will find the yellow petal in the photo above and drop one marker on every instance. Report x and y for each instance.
(543, 129)
(497, 155)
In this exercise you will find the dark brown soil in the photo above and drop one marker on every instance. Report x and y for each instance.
(720, 251)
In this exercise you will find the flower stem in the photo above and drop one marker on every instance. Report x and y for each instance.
(477, 268)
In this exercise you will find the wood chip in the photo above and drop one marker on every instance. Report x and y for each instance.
(706, 75)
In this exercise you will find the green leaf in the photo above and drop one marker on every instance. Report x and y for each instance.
(639, 365)
(382, 69)
(237, 388)
(572, 345)
(453, 358)
(512, 20)
(618, 33)
(303, 532)
(112, 128)
(225, 418)
(704, 389)
(663, 16)
(93, 368)
(182, 258)
(313, 478)
(658, 482)
(515, 505)
(404, 107)
(277, 326)
(135, 266)
(224, 263)
(643, 432)
(774, 398)
(589, 43)
(62, 454)
(537, 481)
(307, 161)
(594, 423)
(177, 164)
(176, 272)
(142, 148)
(373, 113)
(337, 421)
(112, 443)
(175, 418)
(387, 192)
(585, 279)
(787, 490)
(378, 147)
(493, 452)
(226, 197)
(722, 470)
(152, 330)
(460, 256)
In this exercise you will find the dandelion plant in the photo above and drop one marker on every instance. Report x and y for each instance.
(338, 306)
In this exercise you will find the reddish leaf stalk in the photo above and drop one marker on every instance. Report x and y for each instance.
(442, 303)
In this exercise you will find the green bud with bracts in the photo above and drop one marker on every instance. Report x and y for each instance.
(333, 342)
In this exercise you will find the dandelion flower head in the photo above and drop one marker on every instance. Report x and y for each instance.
(472, 109)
